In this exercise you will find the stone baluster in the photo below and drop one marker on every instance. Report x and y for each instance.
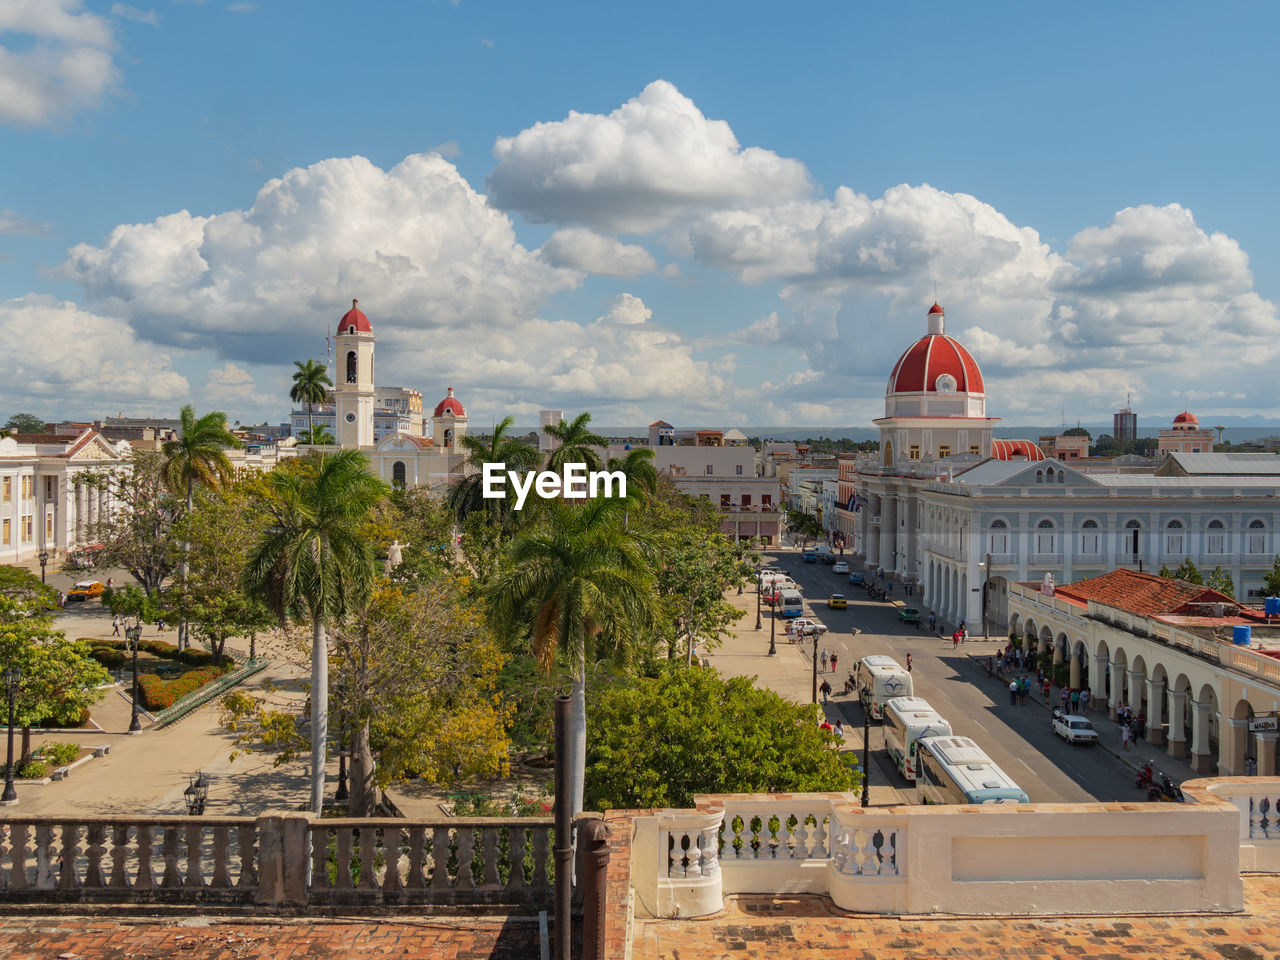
(194, 880)
(818, 850)
(466, 852)
(439, 858)
(4, 850)
(710, 844)
(490, 846)
(320, 860)
(733, 842)
(840, 848)
(800, 833)
(368, 857)
(171, 879)
(68, 879)
(18, 856)
(391, 854)
(221, 852)
(418, 859)
(96, 846)
(342, 877)
(693, 856)
(517, 881)
(119, 857)
(145, 880)
(541, 844)
(247, 836)
(45, 879)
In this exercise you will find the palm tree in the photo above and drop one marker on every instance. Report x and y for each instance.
(318, 558)
(318, 436)
(199, 455)
(468, 496)
(311, 385)
(578, 583)
(577, 443)
(642, 477)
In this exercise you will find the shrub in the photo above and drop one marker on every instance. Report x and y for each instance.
(34, 769)
(59, 754)
(158, 648)
(197, 658)
(159, 693)
(111, 659)
(66, 717)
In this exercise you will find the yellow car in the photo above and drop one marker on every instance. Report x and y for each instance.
(86, 590)
(837, 602)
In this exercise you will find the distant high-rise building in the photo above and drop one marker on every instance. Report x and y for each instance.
(548, 418)
(1124, 425)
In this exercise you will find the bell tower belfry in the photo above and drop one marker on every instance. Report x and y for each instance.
(353, 390)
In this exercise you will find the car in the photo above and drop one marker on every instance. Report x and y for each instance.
(805, 627)
(1073, 728)
(827, 559)
(908, 615)
(840, 566)
(810, 558)
(86, 590)
(837, 602)
(858, 578)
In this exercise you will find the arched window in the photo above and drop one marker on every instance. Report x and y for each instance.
(1132, 536)
(888, 453)
(1257, 537)
(397, 474)
(1046, 537)
(998, 538)
(1090, 537)
(1062, 476)
(1039, 476)
(1173, 537)
(352, 366)
(1216, 542)
(448, 437)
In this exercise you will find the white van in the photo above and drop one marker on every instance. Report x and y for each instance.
(879, 679)
(791, 603)
(906, 720)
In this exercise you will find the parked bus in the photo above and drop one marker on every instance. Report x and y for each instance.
(792, 602)
(907, 721)
(955, 770)
(879, 679)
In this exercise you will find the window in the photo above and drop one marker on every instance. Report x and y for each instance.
(998, 539)
(1173, 537)
(1039, 476)
(1046, 537)
(746, 499)
(975, 449)
(1132, 531)
(766, 499)
(26, 529)
(1257, 537)
(398, 474)
(8, 489)
(710, 470)
(26, 488)
(6, 532)
(944, 450)
(913, 452)
(725, 502)
(1217, 538)
(1090, 539)
(738, 469)
(352, 364)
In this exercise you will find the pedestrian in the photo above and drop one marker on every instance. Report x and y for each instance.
(838, 730)
(1084, 699)
(933, 622)
(1045, 688)
(1250, 767)
(115, 626)
(999, 663)
(110, 582)
(910, 588)
(989, 665)
(964, 633)
(826, 725)
(835, 660)
(825, 658)
(159, 624)
(1066, 700)
(825, 690)
(1125, 736)
(1013, 693)
(955, 640)
(1139, 724)
(1075, 701)
(908, 663)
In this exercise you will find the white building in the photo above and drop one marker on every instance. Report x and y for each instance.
(962, 515)
(726, 475)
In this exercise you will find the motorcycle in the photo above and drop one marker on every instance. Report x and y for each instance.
(1166, 791)
(1146, 776)
(849, 685)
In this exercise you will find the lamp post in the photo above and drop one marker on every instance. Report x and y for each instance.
(133, 636)
(12, 677)
(43, 558)
(773, 629)
(815, 666)
(342, 793)
(196, 793)
(986, 590)
(866, 754)
(759, 590)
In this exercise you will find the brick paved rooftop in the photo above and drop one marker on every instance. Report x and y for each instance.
(798, 928)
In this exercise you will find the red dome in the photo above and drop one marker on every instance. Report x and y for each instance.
(933, 355)
(1008, 449)
(354, 321)
(1185, 417)
(936, 308)
(451, 406)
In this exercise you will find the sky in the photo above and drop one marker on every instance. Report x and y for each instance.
(713, 213)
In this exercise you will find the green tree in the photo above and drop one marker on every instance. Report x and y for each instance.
(317, 436)
(581, 585)
(1221, 581)
(642, 477)
(803, 523)
(316, 561)
(311, 385)
(1186, 571)
(137, 533)
(577, 443)
(726, 736)
(1076, 432)
(467, 496)
(1271, 582)
(24, 423)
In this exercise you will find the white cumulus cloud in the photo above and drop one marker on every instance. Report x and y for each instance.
(578, 248)
(627, 309)
(653, 160)
(55, 59)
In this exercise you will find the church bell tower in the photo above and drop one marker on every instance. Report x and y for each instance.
(353, 390)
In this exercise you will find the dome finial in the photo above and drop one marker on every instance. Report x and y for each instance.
(937, 319)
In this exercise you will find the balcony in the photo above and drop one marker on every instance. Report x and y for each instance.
(1046, 559)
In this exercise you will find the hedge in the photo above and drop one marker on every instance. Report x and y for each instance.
(157, 648)
(58, 754)
(160, 694)
(34, 770)
(111, 659)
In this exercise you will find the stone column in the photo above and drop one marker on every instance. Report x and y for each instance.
(1117, 681)
(1137, 687)
(80, 517)
(1074, 681)
(888, 527)
(1233, 737)
(871, 542)
(1177, 746)
(1098, 683)
(1267, 752)
(1201, 718)
(1155, 712)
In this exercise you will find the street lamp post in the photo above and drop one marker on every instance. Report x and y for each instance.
(196, 794)
(759, 590)
(866, 754)
(342, 793)
(12, 677)
(815, 666)
(43, 558)
(133, 636)
(986, 590)
(773, 629)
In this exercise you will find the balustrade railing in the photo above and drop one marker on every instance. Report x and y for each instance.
(690, 843)
(867, 847)
(756, 831)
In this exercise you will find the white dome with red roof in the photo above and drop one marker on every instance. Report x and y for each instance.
(450, 406)
(1186, 417)
(354, 320)
(936, 363)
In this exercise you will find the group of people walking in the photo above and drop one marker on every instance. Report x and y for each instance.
(1131, 725)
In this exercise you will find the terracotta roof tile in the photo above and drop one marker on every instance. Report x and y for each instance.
(1142, 593)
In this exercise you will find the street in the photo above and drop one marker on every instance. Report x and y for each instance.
(955, 683)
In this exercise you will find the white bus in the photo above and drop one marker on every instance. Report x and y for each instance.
(879, 679)
(907, 721)
(955, 770)
(791, 602)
